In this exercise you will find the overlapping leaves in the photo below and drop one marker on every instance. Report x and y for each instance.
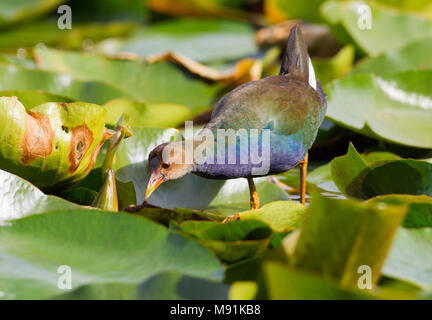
(53, 143)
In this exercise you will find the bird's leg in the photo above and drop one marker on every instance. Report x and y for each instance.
(303, 170)
(254, 199)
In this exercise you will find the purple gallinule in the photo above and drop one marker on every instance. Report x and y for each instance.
(280, 114)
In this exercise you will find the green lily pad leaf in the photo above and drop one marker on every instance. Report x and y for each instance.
(405, 27)
(176, 286)
(202, 40)
(393, 108)
(408, 58)
(281, 216)
(419, 212)
(102, 247)
(283, 283)
(346, 169)
(209, 8)
(243, 290)
(191, 191)
(52, 144)
(329, 69)
(33, 98)
(126, 194)
(101, 291)
(319, 179)
(401, 177)
(420, 6)
(20, 10)
(339, 236)
(96, 10)
(379, 157)
(94, 179)
(158, 115)
(17, 78)
(20, 199)
(335, 178)
(410, 259)
(348, 172)
(380, 173)
(231, 241)
(140, 80)
(131, 165)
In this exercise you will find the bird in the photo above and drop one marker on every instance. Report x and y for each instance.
(280, 114)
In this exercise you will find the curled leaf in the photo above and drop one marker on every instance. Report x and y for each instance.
(53, 144)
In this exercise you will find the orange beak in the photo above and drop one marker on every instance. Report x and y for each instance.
(154, 181)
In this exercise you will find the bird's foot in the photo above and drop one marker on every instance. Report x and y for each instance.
(234, 217)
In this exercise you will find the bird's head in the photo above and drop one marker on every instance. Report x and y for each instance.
(166, 162)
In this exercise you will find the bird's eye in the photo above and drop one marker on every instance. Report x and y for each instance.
(165, 165)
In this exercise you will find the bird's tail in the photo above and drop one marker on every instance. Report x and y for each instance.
(296, 58)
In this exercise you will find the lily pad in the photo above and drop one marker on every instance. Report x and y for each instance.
(231, 241)
(179, 215)
(319, 179)
(405, 27)
(410, 259)
(202, 40)
(380, 173)
(339, 236)
(329, 69)
(395, 108)
(140, 80)
(163, 286)
(212, 8)
(20, 10)
(101, 247)
(348, 172)
(281, 10)
(20, 199)
(401, 177)
(52, 144)
(18, 78)
(161, 115)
